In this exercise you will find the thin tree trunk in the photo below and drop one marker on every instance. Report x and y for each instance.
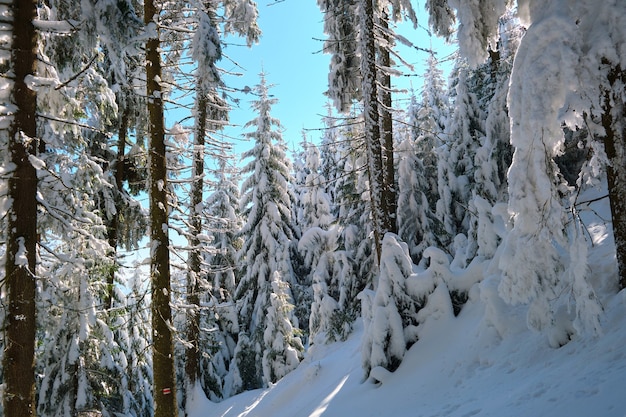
(372, 130)
(165, 404)
(19, 375)
(614, 123)
(390, 196)
(114, 223)
(193, 287)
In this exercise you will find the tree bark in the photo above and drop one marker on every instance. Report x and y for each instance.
(614, 123)
(372, 129)
(195, 259)
(165, 404)
(113, 225)
(390, 195)
(18, 363)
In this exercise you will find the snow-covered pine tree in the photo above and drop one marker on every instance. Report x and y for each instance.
(329, 156)
(366, 23)
(341, 258)
(456, 159)
(416, 221)
(315, 221)
(428, 119)
(555, 80)
(209, 112)
(391, 327)
(336, 282)
(297, 188)
(80, 361)
(417, 170)
(493, 158)
(71, 225)
(315, 211)
(218, 310)
(318, 245)
(341, 26)
(283, 350)
(78, 347)
(315, 201)
(222, 206)
(267, 239)
(138, 399)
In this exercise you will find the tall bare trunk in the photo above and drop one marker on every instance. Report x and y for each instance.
(390, 196)
(114, 223)
(614, 123)
(19, 375)
(193, 287)
(371, 116)
(165, 404)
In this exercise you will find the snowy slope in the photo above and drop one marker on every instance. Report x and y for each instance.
(464, 366)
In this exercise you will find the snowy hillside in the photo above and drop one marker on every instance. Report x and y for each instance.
(485, 362)
(463, 369)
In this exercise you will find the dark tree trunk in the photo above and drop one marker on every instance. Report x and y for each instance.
(390, 197)
(614, 123)
(114, 223)
(195, 259)
(372, 129)
(19, 375)
(165, 404)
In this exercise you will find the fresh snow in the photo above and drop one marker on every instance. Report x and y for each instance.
(485, 362)
(460, 368)
(21, 258)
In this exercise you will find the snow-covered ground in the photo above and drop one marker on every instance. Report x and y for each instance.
(485, 362)
(461, 368)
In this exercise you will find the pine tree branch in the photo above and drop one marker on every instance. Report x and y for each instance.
(73, 123)
(78, 74)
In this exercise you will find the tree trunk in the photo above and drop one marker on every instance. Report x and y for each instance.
(372, 129)
(19, 375)
(114, 223)
(390, 197)
(614, 123)
(165, 404)
(195, 260)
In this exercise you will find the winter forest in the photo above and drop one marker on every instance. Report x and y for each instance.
(483, 187)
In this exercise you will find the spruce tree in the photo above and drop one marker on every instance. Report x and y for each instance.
(206, 52)
(316, 202)
(417, 167)
(542, 98)
(456, 159)
(391, 328)
(139, 400)
(220, 313)
(267, 235)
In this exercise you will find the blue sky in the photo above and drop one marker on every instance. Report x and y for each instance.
(289, 52)
(293, 63)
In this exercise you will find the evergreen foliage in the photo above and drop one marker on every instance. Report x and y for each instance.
(487, 175)
(266, 253)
